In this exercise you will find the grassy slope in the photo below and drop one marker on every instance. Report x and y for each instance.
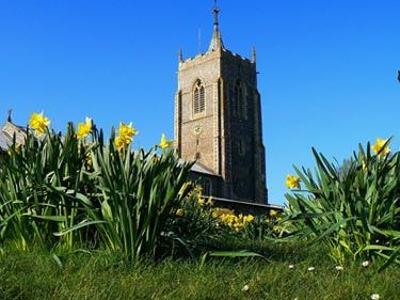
(36, 275)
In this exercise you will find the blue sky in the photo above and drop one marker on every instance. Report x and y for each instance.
(327, 68)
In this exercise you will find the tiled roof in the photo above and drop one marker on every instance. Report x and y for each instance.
(7, 132)
(199, 168)
(4, 141)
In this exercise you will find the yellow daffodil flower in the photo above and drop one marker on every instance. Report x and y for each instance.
(121, 142)
(228, 218)
(84, 128)
(210, 202)
(248, 219)
(381, 147)
(180, 212)
(127, 131)
(217, 212)
(273, 213)
(39, 123)
(292, 182)
(164, 143)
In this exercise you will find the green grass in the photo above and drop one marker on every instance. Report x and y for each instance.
(37, 275)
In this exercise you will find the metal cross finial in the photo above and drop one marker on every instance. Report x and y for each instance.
(215, 13)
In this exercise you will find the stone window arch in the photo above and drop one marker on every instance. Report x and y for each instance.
(199, 97)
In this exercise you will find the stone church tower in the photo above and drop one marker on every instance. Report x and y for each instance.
(218, 121)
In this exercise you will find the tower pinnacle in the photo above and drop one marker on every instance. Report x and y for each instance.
(216, 40)
(9, 116)
(180, 55)
(253, 55)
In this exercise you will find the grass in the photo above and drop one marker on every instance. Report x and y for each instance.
(99, 275)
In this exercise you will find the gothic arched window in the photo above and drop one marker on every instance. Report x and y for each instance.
(199, 97)
(239, 100)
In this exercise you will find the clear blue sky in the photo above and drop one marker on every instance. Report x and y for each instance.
(327, 68)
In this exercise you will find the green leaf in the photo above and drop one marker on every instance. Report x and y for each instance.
(78, 226)
(242, 253)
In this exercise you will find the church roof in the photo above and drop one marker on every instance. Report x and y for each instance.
(199, 168)
(7, 132)
(4, 141)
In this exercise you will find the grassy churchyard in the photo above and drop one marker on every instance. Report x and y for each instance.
(99, 275)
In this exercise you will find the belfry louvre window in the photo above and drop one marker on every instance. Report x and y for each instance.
(199, 98)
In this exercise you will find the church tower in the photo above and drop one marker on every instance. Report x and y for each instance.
(218, 120)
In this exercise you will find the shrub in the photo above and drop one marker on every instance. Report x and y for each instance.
(135, 194)
(352, 208)
(38, 184)
(66, 190)
(192, 226)
(201, 226)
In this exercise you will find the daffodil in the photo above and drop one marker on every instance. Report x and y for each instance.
(381, 147)
(248, 218)
(210, 202)
(84, 128)
(127, 131)
(217, 212)
(121, 142)
(164, 143)
(292, 181)
(273, 213)
(229, 219)
(39, 123)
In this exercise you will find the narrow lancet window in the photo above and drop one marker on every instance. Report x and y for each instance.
(199, 98)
